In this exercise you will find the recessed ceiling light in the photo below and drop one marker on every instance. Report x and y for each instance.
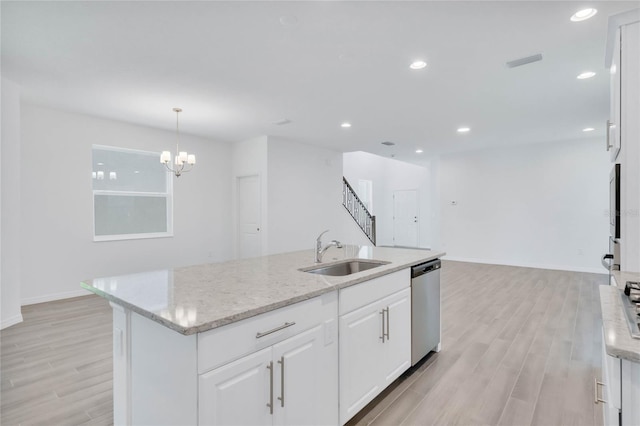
(588, 129)
(586, 74)
(583, 14)
(417, 65)
(463, 129)
(345, 125)
(418, 151)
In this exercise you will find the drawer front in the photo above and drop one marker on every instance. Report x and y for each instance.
(362, 294)
(225, 344)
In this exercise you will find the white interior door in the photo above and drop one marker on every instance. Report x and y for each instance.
(249, 213)
(405, 218)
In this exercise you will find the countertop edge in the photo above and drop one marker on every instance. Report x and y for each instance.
(200, 328)
(617, 338)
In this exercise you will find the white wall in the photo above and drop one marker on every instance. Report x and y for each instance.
(57, 247)
(10, 206)
(305, 195)
(250, 158)
(539, 205)
(389, 175)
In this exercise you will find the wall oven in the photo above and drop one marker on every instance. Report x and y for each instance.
(611, 260)
(614, 201)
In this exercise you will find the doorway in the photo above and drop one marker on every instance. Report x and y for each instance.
(249, 211)
(405, 218)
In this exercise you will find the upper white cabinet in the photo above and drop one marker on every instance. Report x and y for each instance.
(375, 339)
(623, 61)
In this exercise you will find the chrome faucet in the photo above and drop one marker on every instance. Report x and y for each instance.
(320, 250)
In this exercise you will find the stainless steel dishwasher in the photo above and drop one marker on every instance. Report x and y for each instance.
(425, 309)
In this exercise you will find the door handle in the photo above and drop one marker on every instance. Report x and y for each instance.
(606, 264)
(596, 398)
(270, 403)
(281, 397)
(609, 126)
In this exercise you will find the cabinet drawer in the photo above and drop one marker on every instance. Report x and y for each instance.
(367, 292)
(225, 344)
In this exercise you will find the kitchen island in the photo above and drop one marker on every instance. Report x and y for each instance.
(256, 340)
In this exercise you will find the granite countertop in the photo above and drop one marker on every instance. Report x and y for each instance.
(198, 298)
(617, 336)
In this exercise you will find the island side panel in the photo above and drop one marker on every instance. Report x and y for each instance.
(121, 364)
(155, 372)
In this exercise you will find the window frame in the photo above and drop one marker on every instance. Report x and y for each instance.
(168, 195)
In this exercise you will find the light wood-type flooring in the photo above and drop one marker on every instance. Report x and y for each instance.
(520, 346)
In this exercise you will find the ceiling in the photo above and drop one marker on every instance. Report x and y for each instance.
(236, 68)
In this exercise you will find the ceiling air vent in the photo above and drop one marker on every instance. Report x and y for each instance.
(524, 61)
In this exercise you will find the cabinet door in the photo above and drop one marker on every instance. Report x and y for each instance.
(397, 346)
(300, 384)
(237, 393)
(361, 358)
(614, 97)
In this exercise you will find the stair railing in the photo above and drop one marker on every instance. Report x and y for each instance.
(358, 211)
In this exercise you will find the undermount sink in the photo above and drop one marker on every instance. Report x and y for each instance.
(347, 267)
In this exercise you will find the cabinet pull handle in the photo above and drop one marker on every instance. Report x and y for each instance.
(281, 397)
(609, 125)
(382, 318)
(596, 398)
(270, 403)
(283, 326)
(388, 316)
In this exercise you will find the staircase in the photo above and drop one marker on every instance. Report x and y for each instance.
(358, 211)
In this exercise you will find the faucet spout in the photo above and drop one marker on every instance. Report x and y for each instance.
(320, 250)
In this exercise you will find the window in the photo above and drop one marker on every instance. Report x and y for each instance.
(132, 195)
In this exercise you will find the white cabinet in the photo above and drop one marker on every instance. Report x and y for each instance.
(619, 391)
(623, 133)
(375, 339)
(285, 384)
(276, 368)
(237, 393)
(607, 392)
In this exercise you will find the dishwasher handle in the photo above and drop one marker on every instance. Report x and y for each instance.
(425, 268)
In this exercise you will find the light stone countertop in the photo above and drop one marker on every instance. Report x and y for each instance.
(617, 336)
(198, 298)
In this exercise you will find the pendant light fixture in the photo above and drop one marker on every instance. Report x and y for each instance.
(182, 158)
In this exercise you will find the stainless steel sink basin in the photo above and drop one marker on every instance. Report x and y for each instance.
(347, 267)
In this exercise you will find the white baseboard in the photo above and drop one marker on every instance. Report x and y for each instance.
(8, 322)
(55, 296)
(599, 270)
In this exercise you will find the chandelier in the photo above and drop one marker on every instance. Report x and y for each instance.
(182, 158)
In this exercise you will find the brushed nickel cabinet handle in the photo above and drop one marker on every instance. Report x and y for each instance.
(270, 403)
(382, 321)
(283, 326)
(281, 397)
(596, 398)
(388, 316)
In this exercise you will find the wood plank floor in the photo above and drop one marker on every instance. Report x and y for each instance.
(521, 346)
